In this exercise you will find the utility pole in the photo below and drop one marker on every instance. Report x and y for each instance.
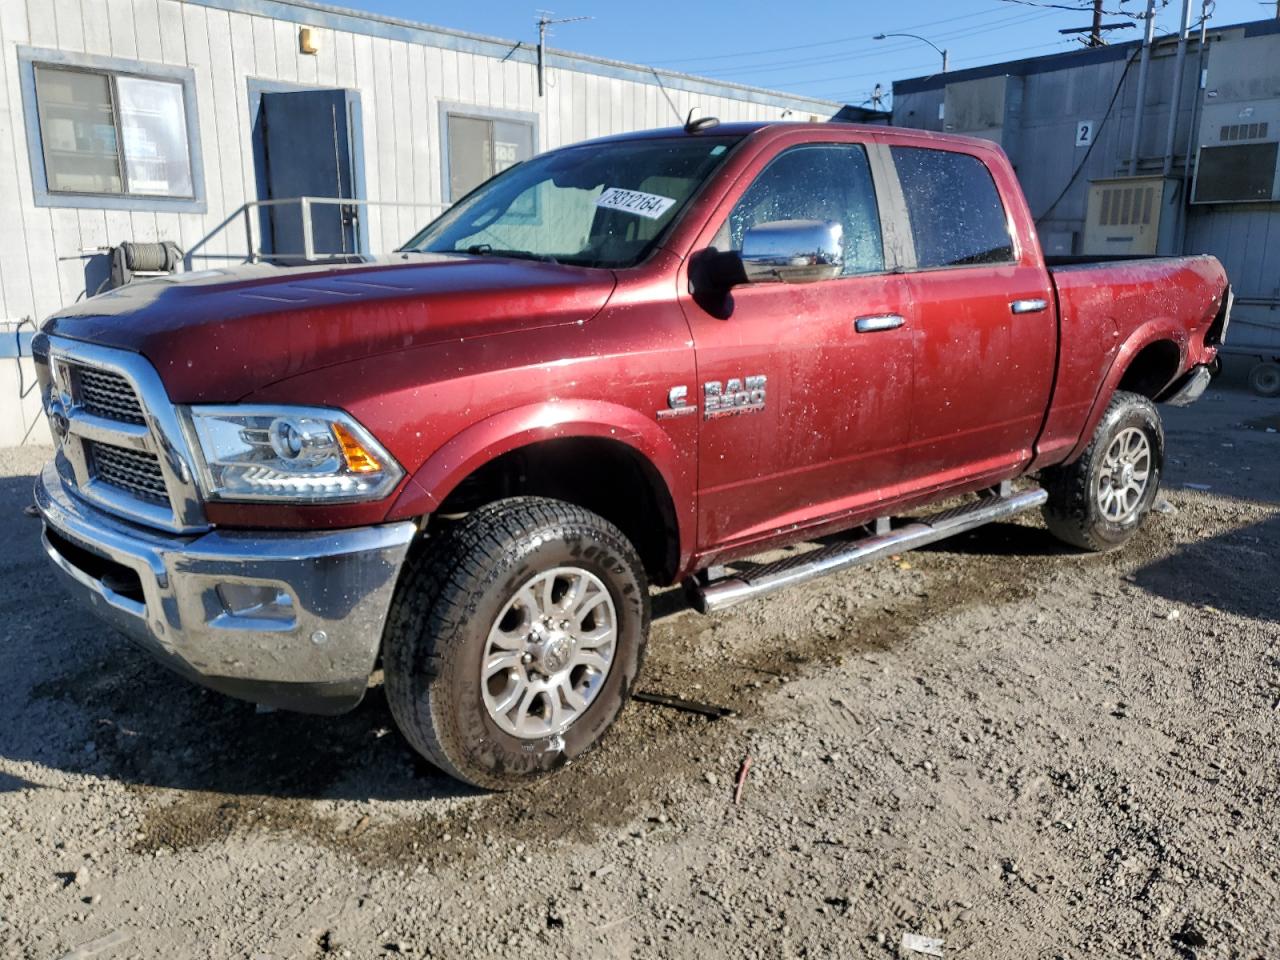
(1095, 31)
(545, 20)
(1175, 97)
(1144, 69)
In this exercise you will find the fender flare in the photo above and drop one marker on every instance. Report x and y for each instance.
(1153, 331)
(518, 427)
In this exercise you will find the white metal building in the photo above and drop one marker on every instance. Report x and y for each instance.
(155, 120)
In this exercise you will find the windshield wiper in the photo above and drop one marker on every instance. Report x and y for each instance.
(486, 250)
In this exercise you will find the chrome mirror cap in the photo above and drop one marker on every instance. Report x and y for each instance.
(793, 251)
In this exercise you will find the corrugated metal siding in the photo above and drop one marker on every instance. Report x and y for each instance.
(401, 85)
(1064, 90)
(401, 82)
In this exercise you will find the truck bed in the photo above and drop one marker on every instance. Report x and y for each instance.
(1113, 306)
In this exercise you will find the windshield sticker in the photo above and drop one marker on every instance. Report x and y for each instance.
(648, 205)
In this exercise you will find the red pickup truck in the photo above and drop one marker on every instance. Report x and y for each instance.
(621, 364)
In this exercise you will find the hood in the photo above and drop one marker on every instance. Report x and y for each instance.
(217, 335)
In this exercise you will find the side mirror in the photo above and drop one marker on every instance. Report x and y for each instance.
(793, 251)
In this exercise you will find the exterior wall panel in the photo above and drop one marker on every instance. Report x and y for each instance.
(402, 72)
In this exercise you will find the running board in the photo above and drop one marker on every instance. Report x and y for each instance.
(758, 581)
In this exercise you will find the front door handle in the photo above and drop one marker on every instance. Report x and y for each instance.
(881, 321)
(1029, 306)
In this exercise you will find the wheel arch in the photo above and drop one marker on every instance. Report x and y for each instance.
(1148, 363)
(637, 474)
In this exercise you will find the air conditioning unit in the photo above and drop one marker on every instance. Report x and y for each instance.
(1239, 137)
(1125, 216)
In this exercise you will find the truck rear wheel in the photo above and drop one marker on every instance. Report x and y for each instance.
(515, 640)
(1099, 501)
(1264, 379)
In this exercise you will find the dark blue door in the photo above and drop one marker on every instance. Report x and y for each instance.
(310, 140)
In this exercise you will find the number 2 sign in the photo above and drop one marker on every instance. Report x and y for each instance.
(1084, 133)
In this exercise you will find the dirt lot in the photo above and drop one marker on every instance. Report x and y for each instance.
(1020, 750)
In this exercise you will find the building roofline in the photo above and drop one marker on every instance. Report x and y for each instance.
(1069, 59)
(309, 13)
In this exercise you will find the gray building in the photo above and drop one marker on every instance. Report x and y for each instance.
(201, 122)
(1105, 173)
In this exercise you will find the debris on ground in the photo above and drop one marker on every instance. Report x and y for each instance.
(711, 710)
(742, 779)
(929, 946)
(96, 947)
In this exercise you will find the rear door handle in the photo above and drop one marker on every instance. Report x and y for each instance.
(882, 321)
(1029, 306)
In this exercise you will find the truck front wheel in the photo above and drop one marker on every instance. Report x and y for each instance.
(515, 639)
(1099, 501)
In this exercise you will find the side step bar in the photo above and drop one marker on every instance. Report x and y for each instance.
(756, 582)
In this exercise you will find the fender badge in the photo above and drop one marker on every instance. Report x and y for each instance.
(677, 404)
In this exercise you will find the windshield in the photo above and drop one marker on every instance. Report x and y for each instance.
(600, 205)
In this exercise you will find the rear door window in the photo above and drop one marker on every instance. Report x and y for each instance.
(956, 215)
(829, 181)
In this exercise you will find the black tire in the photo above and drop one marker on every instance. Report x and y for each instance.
(1073, 512)
(453, 592)
(1264, 379)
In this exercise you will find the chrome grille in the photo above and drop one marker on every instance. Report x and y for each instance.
(121, 445)
(133, 471)
(107, 394)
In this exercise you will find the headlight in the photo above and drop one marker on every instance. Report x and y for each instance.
(305, 454)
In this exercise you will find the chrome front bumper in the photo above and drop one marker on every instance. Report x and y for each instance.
(311, 643)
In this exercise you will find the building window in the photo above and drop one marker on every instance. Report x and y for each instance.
(105, 133)
(111, 133)
(481, 146)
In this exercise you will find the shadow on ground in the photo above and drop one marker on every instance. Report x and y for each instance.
(80, 697)
(88, 701)
(1228, 572)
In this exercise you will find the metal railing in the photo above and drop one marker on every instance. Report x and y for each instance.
(305, 205)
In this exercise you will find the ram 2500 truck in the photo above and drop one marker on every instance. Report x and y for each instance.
(625, 363)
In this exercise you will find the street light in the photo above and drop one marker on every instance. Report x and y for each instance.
(886, 36)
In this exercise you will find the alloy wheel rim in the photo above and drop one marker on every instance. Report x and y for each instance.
(1125, 474)
(549, 652)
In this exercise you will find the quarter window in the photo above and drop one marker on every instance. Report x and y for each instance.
(481, 147)
(816, 182)
(113, 134)
(956, 215)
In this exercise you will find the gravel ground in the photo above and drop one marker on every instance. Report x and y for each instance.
(997, 742)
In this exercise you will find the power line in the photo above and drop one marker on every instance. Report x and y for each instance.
(925, 66)
(781, 65)
(1057, 44)
(820, 43)
(1075, 8)
(1097, 135)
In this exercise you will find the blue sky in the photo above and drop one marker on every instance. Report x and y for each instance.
(820, 47)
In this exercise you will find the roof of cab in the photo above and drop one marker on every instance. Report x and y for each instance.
(777, 127)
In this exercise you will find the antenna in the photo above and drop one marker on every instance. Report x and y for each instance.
(546, 19)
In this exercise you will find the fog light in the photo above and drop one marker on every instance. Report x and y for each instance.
(261, 601)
